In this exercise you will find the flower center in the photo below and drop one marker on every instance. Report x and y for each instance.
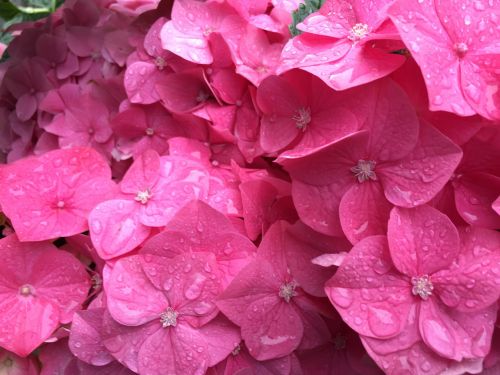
(169, 318)
(143, 196)
(150, 132)
(302, 118)
(202, 96)
(26, 290)
(460, 49)
(339, 341)
(236, 350)
(358, 32)
(365, 170)
(160, 63)
(60, 204)
(422, 286)
(287, 291)
(7, 363)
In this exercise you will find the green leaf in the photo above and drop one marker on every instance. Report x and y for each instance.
(8, 10)
(301, 13)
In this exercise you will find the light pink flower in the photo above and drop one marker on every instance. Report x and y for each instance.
(454, 45)
(346, 44)
(356, 180)
(197, 227)
(421, 285)
(189, 32)
(276, 316)
(51, 195)
(152, 191)
(37, 295)
(164, 314)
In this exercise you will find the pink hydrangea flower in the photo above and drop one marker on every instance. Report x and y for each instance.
(37, 295)
(301, 112)
(189, 32)
(51, 195)
(164, 313)
(346, 44)
(421, 285)
(197, 227)
(276, 316)
(152, 191)
(358, 178)
(460, 37)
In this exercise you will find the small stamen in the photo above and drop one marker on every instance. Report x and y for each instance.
(422, 286)
(302, 118)
(287, 291)
(236, 350)
(26, 290)
(150, 132)
(169, 318)
(365, 170)
(358, 32)
(143, 196)
(160, 62)
(60, 204)
(461, 49)
(202, 96)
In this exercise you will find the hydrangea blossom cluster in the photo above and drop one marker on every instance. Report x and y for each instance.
(189, 188)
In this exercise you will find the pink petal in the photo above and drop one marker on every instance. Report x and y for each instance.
(85, 340)
(474, 194)
(364, 211)
(419, 176)
(472, 284)
(115, 228)
(431, 46)
(221, 337)
(422, 240)
(142, 174)
(132, 298)
(140, 82)
(372, 298)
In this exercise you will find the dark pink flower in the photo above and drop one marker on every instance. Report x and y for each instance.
(164, 314)
(424, 285)
(356, 180)
(37, 295)
(301, 112)
(51, 195)
(454, 46)
(276, 316)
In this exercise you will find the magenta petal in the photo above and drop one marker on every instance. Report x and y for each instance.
(419, 176)
(221, 337)
(26, 106)
(472, 284)
(422, 240)
(372, 298)
(364, 211)
(142, 174)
